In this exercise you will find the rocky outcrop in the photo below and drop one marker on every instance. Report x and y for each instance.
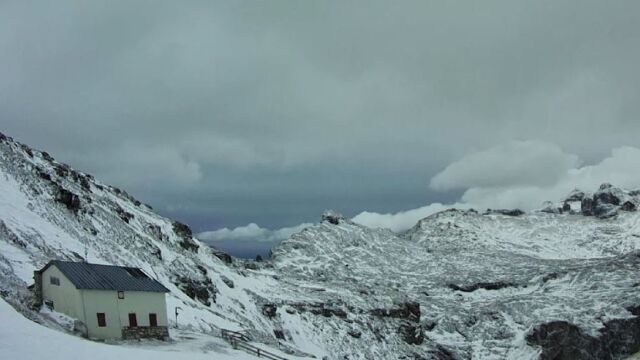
(226, 258)
(497, 285)
(269, 310)
(69, 199)
(575, 195)
(607, 201)
(561, 340)
(332, 217)
(411, 334)
(407, 310)
(184, 232)
(628, 206)
(201, 290)
(508, 212)
(227, 282)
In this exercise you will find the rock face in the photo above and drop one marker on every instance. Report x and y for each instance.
(477, 279)
(561, 340)
(332, 217)
(608, 201)
(411, 333)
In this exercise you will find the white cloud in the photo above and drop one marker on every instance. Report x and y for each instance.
(251, 233)
(532, 187)
(521, 163)
(401, 220)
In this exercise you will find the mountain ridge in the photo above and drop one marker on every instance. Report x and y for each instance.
(458, 285)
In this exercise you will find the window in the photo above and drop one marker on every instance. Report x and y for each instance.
(54, 280)
(102, 320)
(120, 294)
(153, 320)
(133, 322)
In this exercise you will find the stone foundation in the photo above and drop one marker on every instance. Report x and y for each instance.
(145, 332)
(37, 288)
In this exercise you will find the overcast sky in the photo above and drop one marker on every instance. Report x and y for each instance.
(227, 113)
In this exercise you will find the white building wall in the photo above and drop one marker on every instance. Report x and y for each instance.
(117, 310)
(142, 304)
(102, 301)
(65, 297)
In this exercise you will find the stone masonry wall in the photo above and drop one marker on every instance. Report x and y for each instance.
(145, 332)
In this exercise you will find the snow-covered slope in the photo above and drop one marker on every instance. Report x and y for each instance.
(466, 285)
(50, 211)
(21, 338)
(459, 285)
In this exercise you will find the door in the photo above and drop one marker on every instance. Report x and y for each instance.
(133, 321)
(153, 320)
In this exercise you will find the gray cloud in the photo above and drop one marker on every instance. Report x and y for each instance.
(226, 113)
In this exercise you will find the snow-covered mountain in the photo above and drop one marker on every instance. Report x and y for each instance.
(560, 283)
(50, 211)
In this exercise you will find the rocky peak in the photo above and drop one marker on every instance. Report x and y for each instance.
(608, 201)
(575, 195)
(332, 217)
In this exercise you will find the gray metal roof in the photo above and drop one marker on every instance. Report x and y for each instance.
(106, 277)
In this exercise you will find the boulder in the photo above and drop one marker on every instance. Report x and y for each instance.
(628, 206)
(227, 281)
(269, 310)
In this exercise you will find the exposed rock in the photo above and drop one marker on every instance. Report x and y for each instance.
(586, 206)
(628, 206)
(279, 334)
(69, 199)
(482, 285)
(429, 324)
(227, 281)
(561, 340)
(84, 182)
(123, 215)
(332, 217)
(201, 290)
(549, 207)
(575, 195)
(508, 212)
(608, 194)
(183, 231)
(320, 309)
(354, 333)
(411, 334)
(269, 310)
(222, 256)
(46, 156)
(407, 310)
